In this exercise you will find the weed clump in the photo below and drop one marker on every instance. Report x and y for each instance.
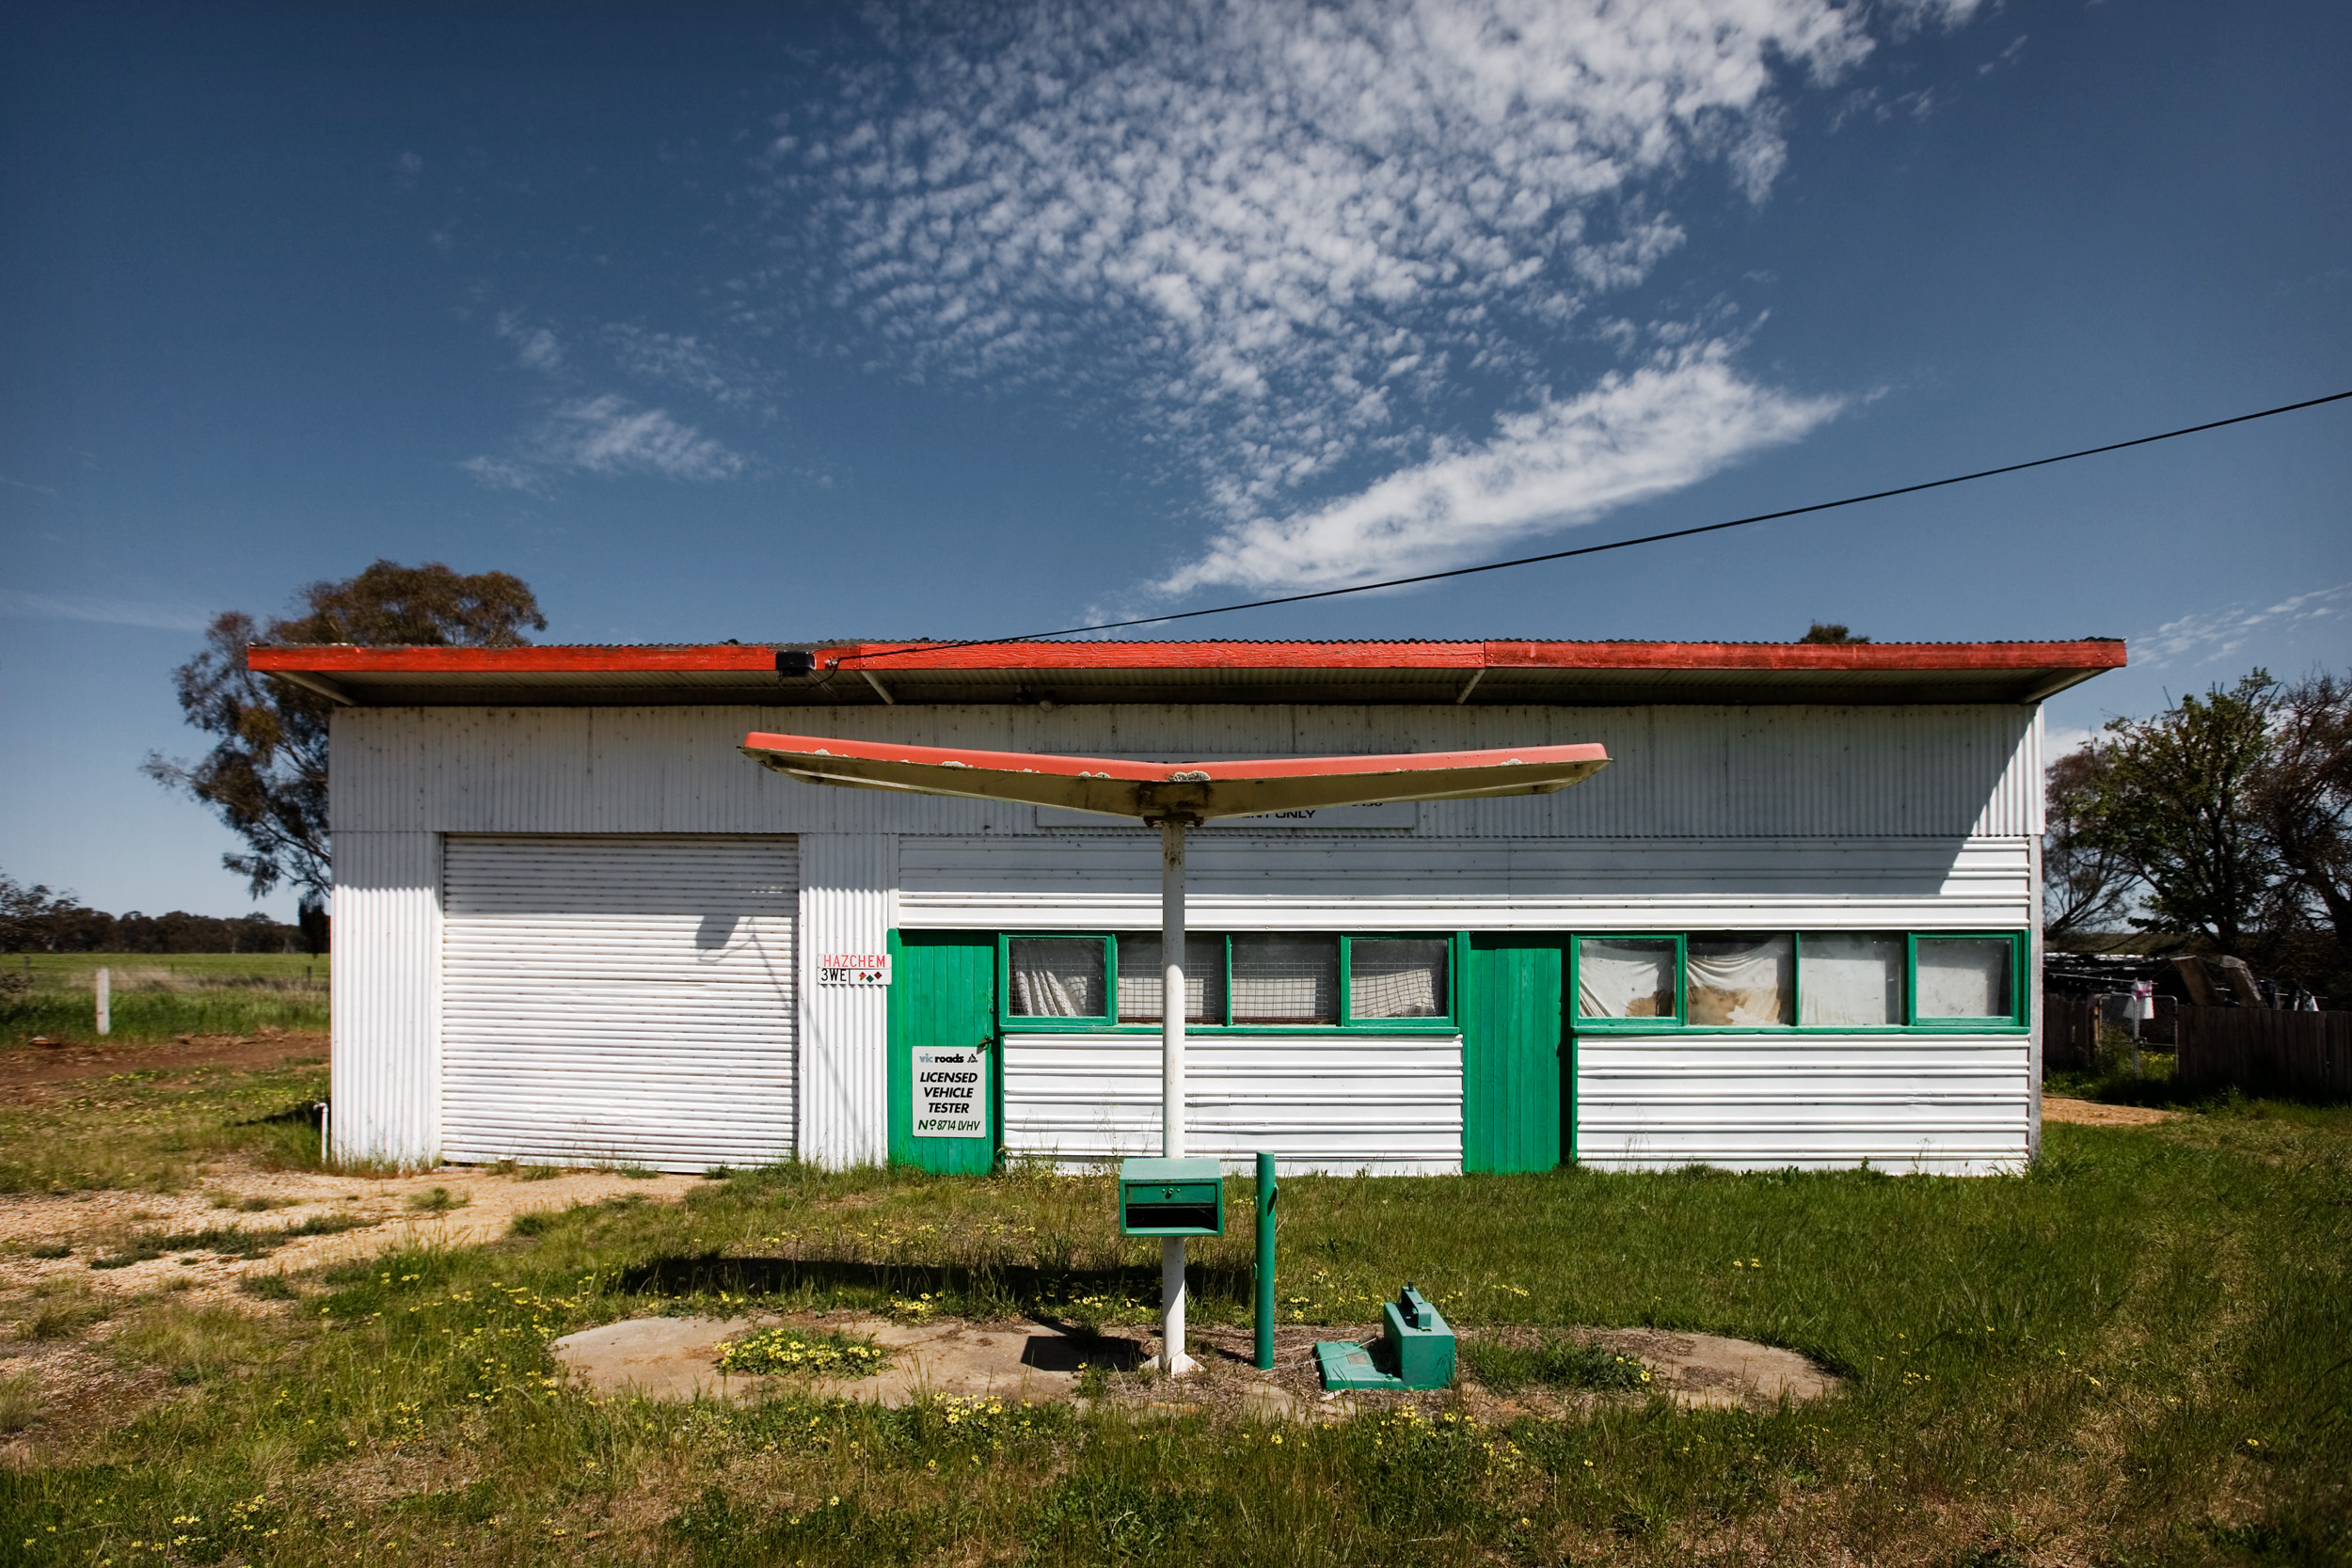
(786, 1350)
(438, 1200)
(1561, 1365)
(227, 1241)
(20, 1402)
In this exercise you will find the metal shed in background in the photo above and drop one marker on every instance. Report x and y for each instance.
(1792, 923)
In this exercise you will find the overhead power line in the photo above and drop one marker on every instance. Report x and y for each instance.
(1614, 544)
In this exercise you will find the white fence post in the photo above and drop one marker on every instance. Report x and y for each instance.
(105, 1001)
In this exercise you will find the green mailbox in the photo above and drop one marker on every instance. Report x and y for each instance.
(1171, 1197)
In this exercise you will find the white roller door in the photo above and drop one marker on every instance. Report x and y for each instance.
(624, 1000)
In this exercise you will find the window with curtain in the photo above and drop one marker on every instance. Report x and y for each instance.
(1142, 979)
(1624, 977)
(1286, 979)
(1740, 978)
(1851, 980)
(1055, 977)
(1396, 977)
(1964, 978)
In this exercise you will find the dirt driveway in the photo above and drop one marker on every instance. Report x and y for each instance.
(382, 1214)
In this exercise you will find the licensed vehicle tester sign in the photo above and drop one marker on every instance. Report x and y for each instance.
(853, 969)
(950, 1094)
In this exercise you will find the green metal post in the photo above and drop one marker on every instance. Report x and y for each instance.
(1266, 1189)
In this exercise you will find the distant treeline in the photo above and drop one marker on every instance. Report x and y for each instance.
(33, 920)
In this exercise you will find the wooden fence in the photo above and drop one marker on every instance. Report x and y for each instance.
(2070, 1034)
(2262, 1048)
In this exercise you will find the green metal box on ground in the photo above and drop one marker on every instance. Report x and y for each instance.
(1171, 1197)
(1416, 1350)
(1420, 1339)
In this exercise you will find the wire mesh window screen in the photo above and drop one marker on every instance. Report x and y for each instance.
(1396, 977)
(1740, 977)
(1964, 978)
(1286, 979)
(1850, 981)
(1056, 977)
(1624, 977)
(1142, 980)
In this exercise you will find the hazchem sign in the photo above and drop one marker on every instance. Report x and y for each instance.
(853, 969)
(950, 1094)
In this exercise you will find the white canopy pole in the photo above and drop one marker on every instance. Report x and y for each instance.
(1173, 1361)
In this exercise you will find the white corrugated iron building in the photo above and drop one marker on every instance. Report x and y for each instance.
(1793, 923)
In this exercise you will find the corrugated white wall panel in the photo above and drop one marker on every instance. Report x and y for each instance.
(1945, 772)
(1957, 1104)
(1386, 1104)
(385, 1066)
(1319, 880)
(847, 906)
(619, 998)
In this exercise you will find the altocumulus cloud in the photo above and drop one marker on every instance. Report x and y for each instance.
(608, 435)
(1289, 238)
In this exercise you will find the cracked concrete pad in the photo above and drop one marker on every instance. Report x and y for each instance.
(676, 1359)
(1710, 1370)
(662, 1359)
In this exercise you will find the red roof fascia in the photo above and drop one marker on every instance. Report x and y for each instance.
(339, 658)
(2099, 654)
(327, 659)
(2096, 654)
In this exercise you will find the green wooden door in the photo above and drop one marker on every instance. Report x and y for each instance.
(1515, 1061)
(942, 998)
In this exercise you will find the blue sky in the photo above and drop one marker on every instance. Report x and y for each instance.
(780, 322)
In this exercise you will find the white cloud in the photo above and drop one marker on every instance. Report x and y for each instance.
(2215, 634)
(1907, 17)
(1665, 425)
(1287, 237)
(2060, 739)
(99, 608)
(502, 473)
(608, 435)
(535, 347)
(687, 360)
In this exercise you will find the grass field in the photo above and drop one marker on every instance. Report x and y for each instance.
(2140, 1352)
(150, 1130)
(158, 996)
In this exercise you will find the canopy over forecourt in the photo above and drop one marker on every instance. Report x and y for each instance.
(1175, 795)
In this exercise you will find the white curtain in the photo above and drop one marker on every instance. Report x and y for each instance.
(1740, 979)
(1389, 978)
(1286, 979)
(1142, 979)
(1056, 977)
(1963, 977)
(1624, 979)
(1852, 981)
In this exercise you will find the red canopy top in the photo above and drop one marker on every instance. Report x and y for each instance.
(1186, 791)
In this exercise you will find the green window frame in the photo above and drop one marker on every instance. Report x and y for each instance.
(1447, 1020)
(1027, 1020)
(2015, 1020)
(2015, 1017)
(1573, 1001)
